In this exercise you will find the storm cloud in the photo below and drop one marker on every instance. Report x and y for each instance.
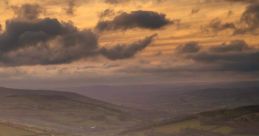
(135, 19)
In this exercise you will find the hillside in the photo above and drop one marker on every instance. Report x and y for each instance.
(241, 121)
(61, 112)
(57, 113)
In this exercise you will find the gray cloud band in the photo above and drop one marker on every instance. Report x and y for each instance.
(234, 56)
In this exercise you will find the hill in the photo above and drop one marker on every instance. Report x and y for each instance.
(61, 112)
(58, 113)
(241, 121)
(177, 99)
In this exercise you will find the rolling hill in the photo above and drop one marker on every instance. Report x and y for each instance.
(177, 99)
(59, 112)
(241, 121)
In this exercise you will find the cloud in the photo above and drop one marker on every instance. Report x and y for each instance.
(233, 46)
(19, 34)
(28, 11)
(123, 51)
(45, 41)
(68, 6)
(107, 13)
(135, 19)
(250, 19)
(233, 1)
(114, 2)
(217, 25)
(245, 62)
(234, 56)
(195, 11)
(247, 24)
(70, 9)
(191, 47)
(244, 1)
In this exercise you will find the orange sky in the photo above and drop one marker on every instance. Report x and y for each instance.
(191, 18)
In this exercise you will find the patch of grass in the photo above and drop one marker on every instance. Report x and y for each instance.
(181, 127)
(7, 130)
(223, 130)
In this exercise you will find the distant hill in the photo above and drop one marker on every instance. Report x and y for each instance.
(60, 112)
(177, 99)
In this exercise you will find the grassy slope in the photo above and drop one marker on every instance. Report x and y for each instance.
(9, 129)
(243, 121)
(62, 112)
(6, 130)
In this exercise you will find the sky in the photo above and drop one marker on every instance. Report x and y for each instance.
(66, 43)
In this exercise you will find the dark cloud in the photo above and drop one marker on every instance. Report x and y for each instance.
(233, 46)
(114, 2)
(135, 19)
(123, 51)
(250, 19)
(234, 56)
(191, 47)
(107, 13)
(49, 41)
(217, 25)
(232, 1)
(243, 1)
(19, 34)
(247, 24)
(45, 41)
(246, 62)
(251, 15)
